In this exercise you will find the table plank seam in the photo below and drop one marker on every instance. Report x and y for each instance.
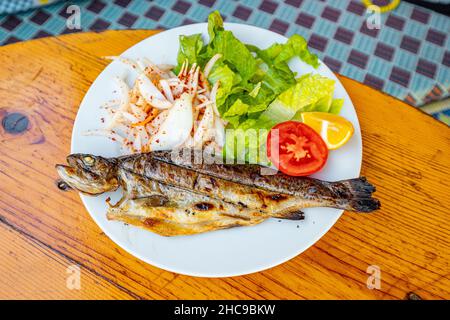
(30, 237)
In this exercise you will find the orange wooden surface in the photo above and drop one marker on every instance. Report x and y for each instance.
(44, 231)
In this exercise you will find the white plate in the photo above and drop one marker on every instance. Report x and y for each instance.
(222, 253)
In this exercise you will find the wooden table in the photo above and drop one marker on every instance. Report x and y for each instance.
(44, 231)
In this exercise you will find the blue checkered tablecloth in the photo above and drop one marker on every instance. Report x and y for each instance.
(408, 57)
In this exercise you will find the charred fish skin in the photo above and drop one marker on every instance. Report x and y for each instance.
(171, 211)
(274, 204)
(233, 183)
(141, 188)
(352, 195)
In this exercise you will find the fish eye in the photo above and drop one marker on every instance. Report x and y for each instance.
(88, 160)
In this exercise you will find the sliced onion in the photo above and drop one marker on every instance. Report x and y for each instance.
(137, 141)
(104, 133)
(129, 62)
(144, 136)
(203, 104)
(156, 123)
(151, 94)
(143, 63)
(183, 69)
(213, 97)
(210, 64)
(148, 89)
(176, 128)
(219, 135)
(205, 128)
(193, 80)
(138, 112)
(123, 106)
(128, 116)
(166, 89)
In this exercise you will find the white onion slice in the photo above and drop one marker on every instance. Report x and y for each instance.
(210, 64)
(177, 126)
(203, 104)
(137, 141)
(128, 116)
(213, 97)
(151, 94)
(128, 62)
(156, 123)
(123, 106)
(219, 135)
(138, 112)
(144, 135)
(205, 128)
(104, 133)
(166, 89)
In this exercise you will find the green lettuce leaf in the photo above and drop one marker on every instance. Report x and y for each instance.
(276, 76)
(228, 79)
(190, 47)
(246, 143)
(237, 109)
(336, 106)
(295, 46)
(215, 24)
(234, 53)
(309, 90)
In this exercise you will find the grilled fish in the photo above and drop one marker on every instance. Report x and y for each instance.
(174, 196)
(170, 211)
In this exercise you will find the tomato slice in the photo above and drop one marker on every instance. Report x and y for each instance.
(300, 150)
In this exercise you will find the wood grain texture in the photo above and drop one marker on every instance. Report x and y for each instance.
(406, 155)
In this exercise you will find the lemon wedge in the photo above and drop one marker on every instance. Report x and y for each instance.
(334, 130)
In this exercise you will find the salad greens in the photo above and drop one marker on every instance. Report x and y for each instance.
(257, 88)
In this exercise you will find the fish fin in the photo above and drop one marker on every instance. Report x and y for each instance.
(363, 204)
(355, 195)
(290, 215)
(358, 187)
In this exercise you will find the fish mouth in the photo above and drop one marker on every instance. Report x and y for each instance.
(85, 181)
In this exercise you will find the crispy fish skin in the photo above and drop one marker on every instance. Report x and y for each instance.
(148, 217)
(171, 211)
(195, 205)
(173, 197)
(138, 187)
(236, 183)
(352, 194)
(275, 204)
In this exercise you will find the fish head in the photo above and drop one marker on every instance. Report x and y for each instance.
(89, 174)
(105, 167)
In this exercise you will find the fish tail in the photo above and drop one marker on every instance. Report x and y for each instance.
(355, 195)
